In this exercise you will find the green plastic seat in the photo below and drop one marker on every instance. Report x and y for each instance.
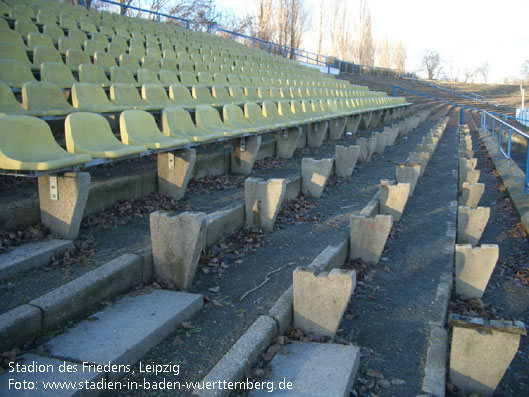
(205, 78)
(237, 94)
(78, 35)
(127, 96)
(137, 51)
(3, 22)
(310, 111)
(92, 98)
(93, 46)
(203, 96)
(264, 94)
(147, 76)
(139, 128)
(234, 117)
(221, 95)
(27, 144)
(66, 43)
(36, 39)
(10, 36)
(188, 78)
(57, 73)
(89, 73)
(155, 95)
(177, 123)
(220, 79)
(122, 75)
(75, 58)
(116, 49)
(213, 68)
(23, 27)
(90, 133)
(20, 13)
(181, 96)
(106, 30)
(15, 73)
(169, 64)
(208, 120)
(270, 112)
(168, 78)
(254, 113)
(129, 62)
(185, 65)
(53, 31)
(299, 111)
(284, 109)
(45, 99)
(252, 94)
(148, 62)
(45, 54)
(104, 60)
(8, 102)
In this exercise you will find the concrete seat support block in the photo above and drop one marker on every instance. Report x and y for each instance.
(471, 223)
(393, 198)
(320, 300)
(174, 171)
(474, 267)
(481, 352)
(366, 120)
(243, 157)
(468, 164)
(316, 132)
(381, 142)
(470, 176)
(177, 241)
(346, 157)
(263, 201)
(63, 214)
(368, 237)
(337, 128)
(287, 141)
(314, 175)
(422, 158)
(408, 173)
(471, 194)
(352, 123)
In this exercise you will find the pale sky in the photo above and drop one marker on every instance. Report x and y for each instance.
(469, 32)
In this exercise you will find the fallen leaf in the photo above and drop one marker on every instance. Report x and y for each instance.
(372, 373)
(398, 382)
(216, 303)
(186, 325)
(384, 383)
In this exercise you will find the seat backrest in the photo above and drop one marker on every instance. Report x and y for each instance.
(188, 78)
(234, 116)
(205, 78)
(78, 35)
(207, 117)
(129, 62)
(23, 27)
(75, 57)
(36, 38)
(177, 121)
(185, 66)
(202, 94)
(41, 95)
(125, 95)
(14, 52)
(56, 73)
(155, 94)
(89, 73)
(88, 95)
(8, 102)
(168, 77)
(104, 60)
(151, 63)
(15, 73)
(85, 130)
(45, 54)
(220, 93)
(53, 31)
(147, 76)
(10, 36)
(180, 95)
(138, 125)
(254, 113)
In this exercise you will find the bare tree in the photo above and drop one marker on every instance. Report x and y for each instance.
(525, 69)
(385, 53)
(469, 76)
(484, 70)
(322, 24)
(298, 22)
(365, 44)
(262, 25)
(342, 38)
(431, 61)
(399, 59)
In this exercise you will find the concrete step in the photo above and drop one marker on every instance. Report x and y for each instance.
(313, 369)
(124, 332)
(29, 256)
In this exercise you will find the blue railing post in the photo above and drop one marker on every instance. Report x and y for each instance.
(509, 148)
(462, 116)
(394, 91)
(492, 129)
(499, 136)
(526, 188)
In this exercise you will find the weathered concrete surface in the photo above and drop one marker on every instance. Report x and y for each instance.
(56, 373)
(393, 198)
(283, 311)
(480, 356)
(177, 241)
(314, 369)
(242, 161)
(408, 173)
(371, 146)
(63, 216)
(352, 123)
(242, 355)
(381, 142)
(471, 194)
(469, 176)
(174, 172)
(469, 164)
(19, 325)
(471, 222)
(263, 201)
(419, 157)
(337, 128)
(287, 141)
(316, 132)
(362, 144)
(474, 267)
(83, 293)
(223, 223)
(30, 256)
(320, 300)
(345, 161)
(314, 175)
(125, 331)
(368, 237)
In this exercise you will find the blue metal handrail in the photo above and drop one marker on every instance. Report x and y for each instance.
(488, 119)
